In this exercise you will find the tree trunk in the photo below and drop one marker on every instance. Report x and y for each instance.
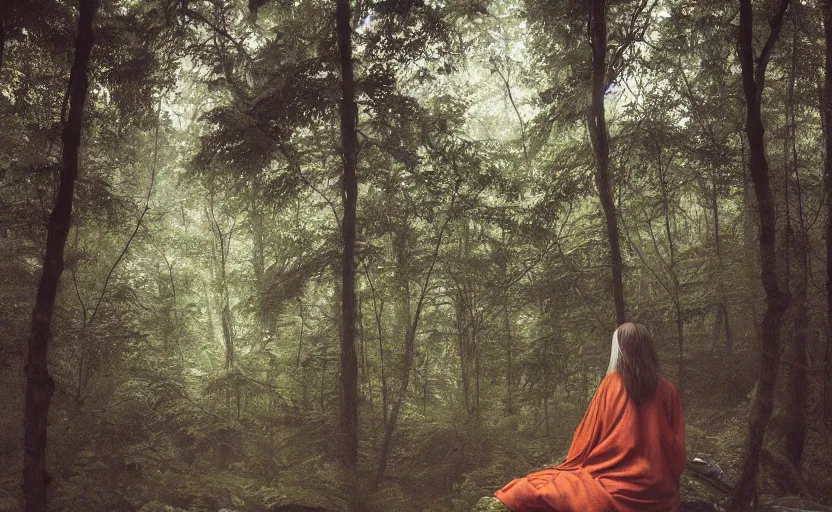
(776, 300)
(300, 334)
(600, 143)
(463, 324)
(348, 379)
(798, 383)
(378, 311)
(477, 371)
(39, 385)
(509, 410)
(463, 346)
(827, 176)
(407, 365)
(364, 363)
(410, 344)
(749, 233)
(425, 381)
(258, 256)
(723, 305)
(2, 42)
(226, 315)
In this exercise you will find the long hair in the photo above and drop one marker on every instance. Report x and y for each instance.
(634, 357)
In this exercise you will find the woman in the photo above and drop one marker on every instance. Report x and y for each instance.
(628, 452)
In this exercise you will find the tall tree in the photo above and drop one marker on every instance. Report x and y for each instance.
(349, 151)
(753, 82)
(597, 125)
(827, 176)
(39, 384)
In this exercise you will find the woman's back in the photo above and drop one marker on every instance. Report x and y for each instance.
(636, 452)
(629, 450)
(624, 455)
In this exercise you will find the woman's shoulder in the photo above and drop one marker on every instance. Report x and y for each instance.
(611, 381)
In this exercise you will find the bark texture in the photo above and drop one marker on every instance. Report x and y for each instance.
(600, 143)
(39, 385)
(827, 176)
(348, 379)
(753, 78)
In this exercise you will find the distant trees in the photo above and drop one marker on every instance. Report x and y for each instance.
(455, 240)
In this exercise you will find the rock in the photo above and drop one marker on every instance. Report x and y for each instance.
(155, 506)
(490, 504)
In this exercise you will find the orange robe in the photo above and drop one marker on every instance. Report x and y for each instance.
(623, 457)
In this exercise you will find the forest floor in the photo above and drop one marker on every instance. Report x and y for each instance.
(449, 466)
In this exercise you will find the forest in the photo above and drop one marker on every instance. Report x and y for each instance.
(368, 255)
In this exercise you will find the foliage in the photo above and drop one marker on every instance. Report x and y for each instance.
(196, 366)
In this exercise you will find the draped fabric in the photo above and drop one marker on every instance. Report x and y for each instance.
(623, 457)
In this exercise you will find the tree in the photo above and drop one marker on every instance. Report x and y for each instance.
(597, 126)
(753, 82)
(482, 311)
(826, 116)
(39, 384)
(348, 381)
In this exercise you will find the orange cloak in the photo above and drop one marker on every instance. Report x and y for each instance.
(623, 457)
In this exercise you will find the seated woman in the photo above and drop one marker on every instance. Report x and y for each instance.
(627, 454)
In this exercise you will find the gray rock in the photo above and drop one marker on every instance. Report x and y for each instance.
(490, 504)
(155, 506)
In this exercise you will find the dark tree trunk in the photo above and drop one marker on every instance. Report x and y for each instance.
(348, 380)
(300, 334)
(425, 381)
(464, 324)
(600, 144)
(226, 318)
(258, 257)
(378, 310)
(723, 305)
(827, 176)
(39, 385)
(509, 409)
(364, 363)
(776, 300)
(796, 424)
(464, 344)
